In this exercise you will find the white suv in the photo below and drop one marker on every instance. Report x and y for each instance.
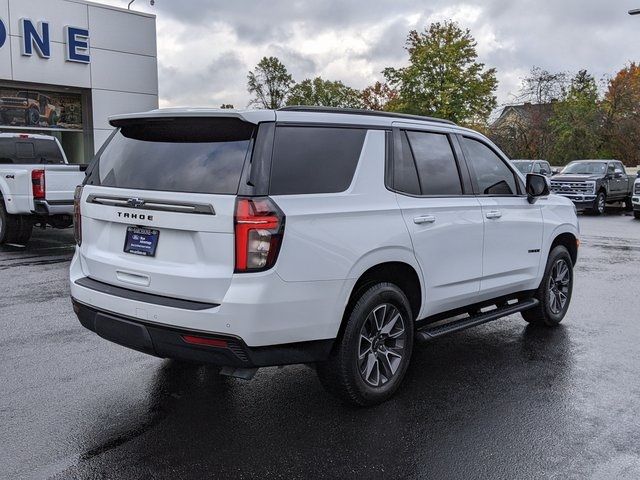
(311, 235)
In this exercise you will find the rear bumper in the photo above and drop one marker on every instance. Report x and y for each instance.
(45, 208)
(167, 342)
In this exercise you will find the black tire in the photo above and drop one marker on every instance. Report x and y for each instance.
(14, 228)
(637, 214)
(628, 204)
(359, 346)
(599, 204)
(550, 311)
(32, 117)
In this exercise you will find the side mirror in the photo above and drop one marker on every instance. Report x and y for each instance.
(617, 173)
(537, 186)
(555, 171)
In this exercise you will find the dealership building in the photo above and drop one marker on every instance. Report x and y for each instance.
(67, 65)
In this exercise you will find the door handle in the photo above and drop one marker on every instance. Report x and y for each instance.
(494, 214)
(424, 219)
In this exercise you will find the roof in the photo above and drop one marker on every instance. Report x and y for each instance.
(525, 111)
(113, 7)
(35, 136)
(298, 113)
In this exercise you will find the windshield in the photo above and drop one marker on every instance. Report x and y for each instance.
(178, 155)
(524, 167)
(586, 168)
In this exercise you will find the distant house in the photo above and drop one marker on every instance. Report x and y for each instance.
(523, 115)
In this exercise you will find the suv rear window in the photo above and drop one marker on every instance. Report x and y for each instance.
(314, 159)
(196, 155)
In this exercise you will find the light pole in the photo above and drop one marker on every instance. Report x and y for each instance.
(635, 11)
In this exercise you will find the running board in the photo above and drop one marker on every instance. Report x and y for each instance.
(429, 333)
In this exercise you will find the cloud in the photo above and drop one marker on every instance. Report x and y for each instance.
(207, 47)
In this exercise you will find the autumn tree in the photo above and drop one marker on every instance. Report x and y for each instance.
(325, 93)
(269, 83)
(379, 96)
(444, 78)
(621, 107)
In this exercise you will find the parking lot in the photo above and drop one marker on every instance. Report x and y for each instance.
(502, 401)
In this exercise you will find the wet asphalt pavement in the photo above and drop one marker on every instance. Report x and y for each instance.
(499, 401)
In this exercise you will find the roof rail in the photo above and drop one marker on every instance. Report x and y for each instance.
(360, 111)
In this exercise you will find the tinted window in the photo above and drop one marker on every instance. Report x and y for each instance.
(537, 168)
(493, 177)
(25, 150)
(181, 155)
(545, 168)
(524, 167)
(436, 164)
(36, 150)
(314, 159)
(405, 177)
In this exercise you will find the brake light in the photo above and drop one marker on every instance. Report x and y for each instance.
(259, 227)
(37, 182)
(77, 215)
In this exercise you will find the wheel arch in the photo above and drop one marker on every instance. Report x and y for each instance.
(569, 241)
(403, 274)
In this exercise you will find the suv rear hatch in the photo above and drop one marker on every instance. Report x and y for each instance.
(158, 205)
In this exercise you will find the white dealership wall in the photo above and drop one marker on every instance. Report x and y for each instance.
(122, 74)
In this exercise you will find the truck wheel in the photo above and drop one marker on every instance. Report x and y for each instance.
(14, 228)
(599, 204)
(554, 292)
(628, 204)
(637, 214)
(370, 359)
(32, 117)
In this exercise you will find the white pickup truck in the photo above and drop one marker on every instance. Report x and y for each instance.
(36, 185)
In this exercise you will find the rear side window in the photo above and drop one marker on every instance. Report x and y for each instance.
(25, 151)
(314, 159)
(196, 155)
(492, 175)
(436, 163)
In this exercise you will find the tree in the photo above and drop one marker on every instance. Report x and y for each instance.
(270, 83)
(621, 108)
(444, 78)
(379, 96)
(577, 120)
(528, 133)
(325, 93)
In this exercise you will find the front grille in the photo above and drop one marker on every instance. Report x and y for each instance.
(637, 188)
(573, 188)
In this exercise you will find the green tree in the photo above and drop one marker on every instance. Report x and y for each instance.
(325, 93)
(444, 78)
(269, 83)
(577, 120)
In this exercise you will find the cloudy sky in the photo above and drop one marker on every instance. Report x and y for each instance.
(206, 47)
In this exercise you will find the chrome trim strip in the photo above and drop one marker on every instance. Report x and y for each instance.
(149, 204)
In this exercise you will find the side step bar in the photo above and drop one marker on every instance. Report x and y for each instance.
(429, 333)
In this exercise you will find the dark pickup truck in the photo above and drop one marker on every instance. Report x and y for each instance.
(591, 184)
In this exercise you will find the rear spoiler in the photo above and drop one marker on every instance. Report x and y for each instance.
(246, 116)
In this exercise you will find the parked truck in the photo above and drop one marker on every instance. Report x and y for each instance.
(592, 184)
(36, 185)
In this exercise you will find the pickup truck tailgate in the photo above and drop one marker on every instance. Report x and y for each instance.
(61, 181)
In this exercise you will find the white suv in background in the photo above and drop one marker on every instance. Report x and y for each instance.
(307, 235)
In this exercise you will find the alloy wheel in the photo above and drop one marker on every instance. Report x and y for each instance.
(559, 283)
(381, 346)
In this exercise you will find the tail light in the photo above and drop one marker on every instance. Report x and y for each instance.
(77, 216)
(37, 182)
(259, 226)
